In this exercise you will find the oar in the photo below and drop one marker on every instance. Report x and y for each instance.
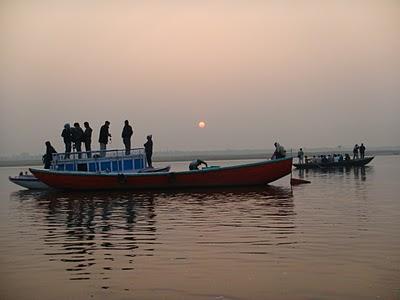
(297, 181)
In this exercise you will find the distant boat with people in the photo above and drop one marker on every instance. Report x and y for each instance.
(334, 164)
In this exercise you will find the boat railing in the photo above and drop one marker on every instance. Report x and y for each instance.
(97, 154)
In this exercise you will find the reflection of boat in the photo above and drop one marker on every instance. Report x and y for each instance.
(259, 173)
(344, 163)
(29, 182)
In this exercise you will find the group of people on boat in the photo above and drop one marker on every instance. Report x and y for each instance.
(74, 137)
(334, 158)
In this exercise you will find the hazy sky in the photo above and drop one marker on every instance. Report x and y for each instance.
(306, 73)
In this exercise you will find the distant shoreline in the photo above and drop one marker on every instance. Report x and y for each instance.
(220, 155)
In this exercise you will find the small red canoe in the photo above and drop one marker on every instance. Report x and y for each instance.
(259, 173)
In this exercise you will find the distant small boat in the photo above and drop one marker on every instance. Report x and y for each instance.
(260, 173)
(29, 182)
(344, 163)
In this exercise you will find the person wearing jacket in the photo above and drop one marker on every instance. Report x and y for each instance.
(127, 133)
(103, 138)
(67, 137)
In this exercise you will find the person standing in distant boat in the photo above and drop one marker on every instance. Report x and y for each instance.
(280, 151)
(103, 138)
(67, 137)
(77, 138)
(300, 155)
(127, 133)
(362, 151)
(355, 151)
(87, 139)
(48, 157)
(148, 149)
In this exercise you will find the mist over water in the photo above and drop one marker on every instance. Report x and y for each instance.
(309, 73)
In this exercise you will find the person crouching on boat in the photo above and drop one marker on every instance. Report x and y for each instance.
(148, 149)
(280, 151)
(194, 165)
(48, 157)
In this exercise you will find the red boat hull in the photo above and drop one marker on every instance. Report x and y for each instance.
(242, 175)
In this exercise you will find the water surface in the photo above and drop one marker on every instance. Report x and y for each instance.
(336, 238)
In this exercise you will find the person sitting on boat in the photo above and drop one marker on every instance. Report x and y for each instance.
(194, 165)
(77, 138)
(340, 158)
(48, 157)
(335, 158)
(103, 138)
(300, 156)
(67, 137)
(347, 157)
(148, 149)
(362, 151)
(280, 151)
(355, 151)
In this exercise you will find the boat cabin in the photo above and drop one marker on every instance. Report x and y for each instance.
(107, 161)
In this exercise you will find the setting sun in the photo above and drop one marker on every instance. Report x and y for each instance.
(202, 124)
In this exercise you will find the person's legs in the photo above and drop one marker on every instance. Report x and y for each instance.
(103, 148)
(78, 148)
(88, 149)
(127, 143)
(148, 157)
(67, 150)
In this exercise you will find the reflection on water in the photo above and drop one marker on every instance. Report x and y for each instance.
(98, 235)
(359, 173)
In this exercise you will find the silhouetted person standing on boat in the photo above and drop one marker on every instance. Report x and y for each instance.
(127, 133)
(77, 138)
(300, 155)
(194, 165)
(67, 137)
(148, 149)
(280, 151)
(87, 139)
(362, 151)
(48, 157)
(103, 138)
(355, 151)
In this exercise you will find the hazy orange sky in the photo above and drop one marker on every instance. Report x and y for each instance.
(306, 73)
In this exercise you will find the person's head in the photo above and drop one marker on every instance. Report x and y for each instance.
(356, 145)
(275, 144)
(107, 123)
(126, 122)
(362, 144)
(67, 126)
(76, 124)
(301, 149)
(149, 137)
(86, 124)
(47, 144)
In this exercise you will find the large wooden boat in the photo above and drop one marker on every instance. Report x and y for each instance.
(344, 163)
(259, 173)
